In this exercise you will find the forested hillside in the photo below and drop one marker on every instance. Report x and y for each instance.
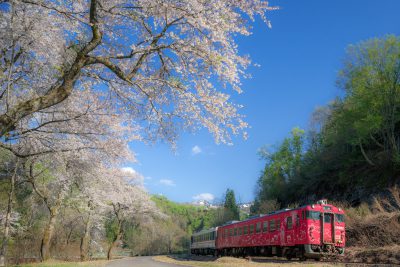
(171, 233)
(350, 155)
(352, 148)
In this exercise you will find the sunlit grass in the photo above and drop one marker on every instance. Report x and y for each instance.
(53, 263)
(235, 262)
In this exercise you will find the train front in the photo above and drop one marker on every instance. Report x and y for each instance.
(325, 230)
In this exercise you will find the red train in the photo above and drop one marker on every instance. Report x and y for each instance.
(309, 231)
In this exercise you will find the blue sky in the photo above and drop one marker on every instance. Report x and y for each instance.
(299, 57)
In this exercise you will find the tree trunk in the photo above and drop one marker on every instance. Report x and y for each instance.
(118, 236)
(85, 240)
(4, 243)
(48, 234)
(365, 154)
(109, 251)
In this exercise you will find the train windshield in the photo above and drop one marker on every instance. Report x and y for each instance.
(314, 215)
(339, 218)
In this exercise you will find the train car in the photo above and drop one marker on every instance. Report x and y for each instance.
(310, 231)
(203, 242)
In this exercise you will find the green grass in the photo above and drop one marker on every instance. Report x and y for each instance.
(65, 264)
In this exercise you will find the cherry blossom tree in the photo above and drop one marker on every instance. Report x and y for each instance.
(127, 201)
(156, 62)
(104, 191)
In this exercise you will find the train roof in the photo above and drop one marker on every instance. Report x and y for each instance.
(205, 231)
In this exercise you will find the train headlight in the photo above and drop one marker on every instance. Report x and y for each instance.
(313, 206)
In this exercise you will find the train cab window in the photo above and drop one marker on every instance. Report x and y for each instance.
(251, 229)
(272, 226)
(246, 228)
(289, 222)
(235, 232)
(265, 226)
(339, 218)
(258, 227)
(327, 217)
(314, 215)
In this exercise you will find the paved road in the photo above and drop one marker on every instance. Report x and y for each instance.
(140, 262)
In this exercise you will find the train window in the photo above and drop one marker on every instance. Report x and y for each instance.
(258, 227)
(240, 230)
(245, 230)
(315, 215)
(289, 222)
(235, 232)
(226, 233)
(297, 220)
(339, 218)
(278, 224)
(303, 214)
(251, 229)
(231, 232)
(265, 226)
(328, 218)
(272, 226)
(327, 208)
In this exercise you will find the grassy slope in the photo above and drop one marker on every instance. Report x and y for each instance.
(53, 263)
(234, 262)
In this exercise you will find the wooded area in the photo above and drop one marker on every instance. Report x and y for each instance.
(79, 81)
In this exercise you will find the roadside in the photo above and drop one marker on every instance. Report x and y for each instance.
(204, 261)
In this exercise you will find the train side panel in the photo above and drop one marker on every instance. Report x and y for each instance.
(309, 231)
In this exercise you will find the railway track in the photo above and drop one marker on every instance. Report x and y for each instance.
(330, 261)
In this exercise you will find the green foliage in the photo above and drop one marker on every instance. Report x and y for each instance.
(111, 227)
(170, 234)
(193, 218)
(281, 167)
(230, 206)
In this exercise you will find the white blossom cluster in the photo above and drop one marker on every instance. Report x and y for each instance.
(160, 63)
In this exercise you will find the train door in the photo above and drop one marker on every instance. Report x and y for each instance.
(289, 231)
(327, 223)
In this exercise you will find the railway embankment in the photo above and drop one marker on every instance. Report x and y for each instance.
(373, 229)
